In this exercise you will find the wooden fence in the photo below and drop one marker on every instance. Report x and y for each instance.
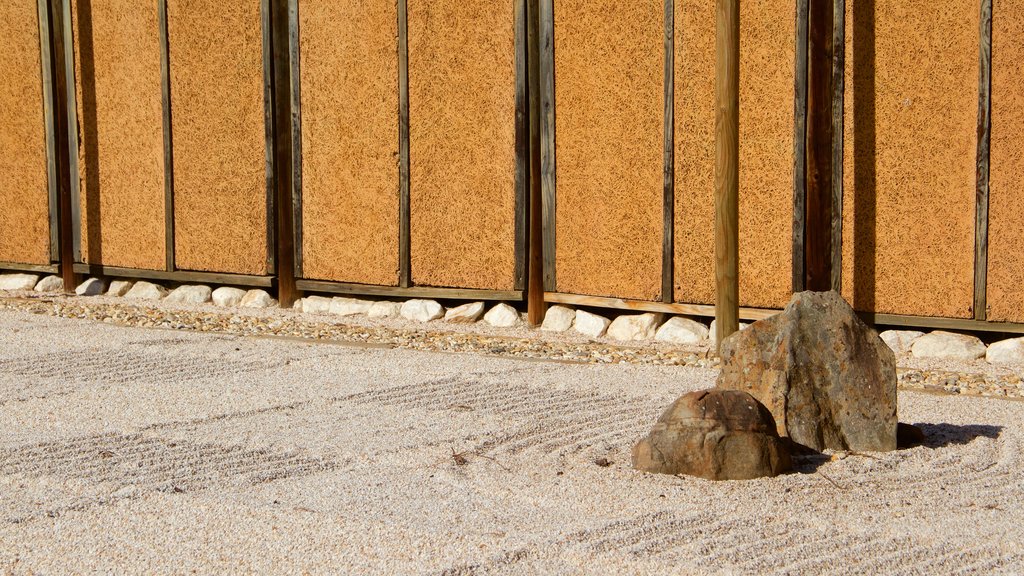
(438, 148)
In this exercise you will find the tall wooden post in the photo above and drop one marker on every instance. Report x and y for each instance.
(727, 152)
(287, 292)
(63, 131)
(818, 253)
(535, 304)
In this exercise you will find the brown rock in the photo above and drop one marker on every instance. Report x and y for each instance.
(827, 378)
(714, 434)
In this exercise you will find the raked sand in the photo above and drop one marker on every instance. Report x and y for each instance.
(128, 450)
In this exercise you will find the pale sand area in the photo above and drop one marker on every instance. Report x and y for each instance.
(127, 450)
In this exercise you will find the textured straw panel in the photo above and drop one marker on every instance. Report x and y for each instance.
(220, 194)
(609, 115)
(120, 124)
(1006, 195)
(766, 152)
(462, 142)
(24, 207)
(349, 141)
(911, 114)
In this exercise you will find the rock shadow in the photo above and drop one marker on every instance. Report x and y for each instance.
(942, 435)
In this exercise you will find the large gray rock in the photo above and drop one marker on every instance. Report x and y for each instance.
(714, 434)
(18, 281)
(827, 378)
(190, 294)
(502, 316)
(948, 346)
(634, 327)
(900, 340)
(558, 319)
(146, 291)
(679, 330)
(422, 310)
(1006, 352)
(50, 284)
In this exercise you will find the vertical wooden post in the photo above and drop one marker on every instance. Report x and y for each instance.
(287, 292)
(818, 222)
(535, 304)
(727, 140)
(982, 172)
(65, 134)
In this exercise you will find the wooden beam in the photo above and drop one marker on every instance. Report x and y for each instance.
(648, 306)
(800, 147)
(522, 145)
(547, 141)
(727, 128)
(47, 74)
(982, 172)
(838, 108)
(165, 101)
(409, 292)
(818, 222)
(295, 66)
(22, 267)
(176, 276)
(536, 307)
(668, 195)
(281, 168)
(270, 63)
(66, 139)
(404, 215)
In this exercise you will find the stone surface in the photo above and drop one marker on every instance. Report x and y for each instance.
(827, 378)
(465, 314)
(714, 325)
(558, 319)
(119, 287)
(18, 281)
(257, 299)
(91, 287)
(146, 291)
(228, 296)
(385, 309)
(591, 325)
(631, 327)
(679, 330)
(900, 341)
(190, 294)
(297, 305)
(502, 316)
(422, 310)
(948, 346)
(316, 304)
(714, 434)
(349, 306)
(50, 284)
(1006, 351)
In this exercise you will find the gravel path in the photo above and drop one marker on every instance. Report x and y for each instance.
(144, 450)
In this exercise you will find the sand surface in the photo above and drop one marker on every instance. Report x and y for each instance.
(130, 450)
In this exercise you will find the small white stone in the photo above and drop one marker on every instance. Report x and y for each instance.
(900, 341)
(1006, 352)
(257, 299)
(119, 287)
(634, 327)
(589, 324)
(228, 296)
(422, 310)
(385, 309)
(679, 330)
(190, 294)
(91, 287)
(558, 319)
(50, 284)
(18, 281)
(949, 346)
(297, 305)
(146, 291)
(349, 306)
(502, 316)
(316, 305)
(714, 325)
(465, 314)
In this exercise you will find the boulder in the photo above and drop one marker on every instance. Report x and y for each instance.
(50, 284)
(146, 291)
(190, 294)
(465, 314)
(589, 324)
(119, 287)
(349, 306)
(384, 309)
(714, 434)
(714, 326)
(827, 378)
(257, 299)
(316, 304)
(634, 327)
(1006, 352)
(679, 330)
(228, 296)
(900, 340)
(18, 281)
(502, 316)
(91, 287)
(558, 319)
(422, 310)
(948, 346)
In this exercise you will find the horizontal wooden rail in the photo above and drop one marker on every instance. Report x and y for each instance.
(17, 267)
(646, 306)
(176, 276)
(409, 292)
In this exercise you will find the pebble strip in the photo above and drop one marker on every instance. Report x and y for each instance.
(295, 326)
